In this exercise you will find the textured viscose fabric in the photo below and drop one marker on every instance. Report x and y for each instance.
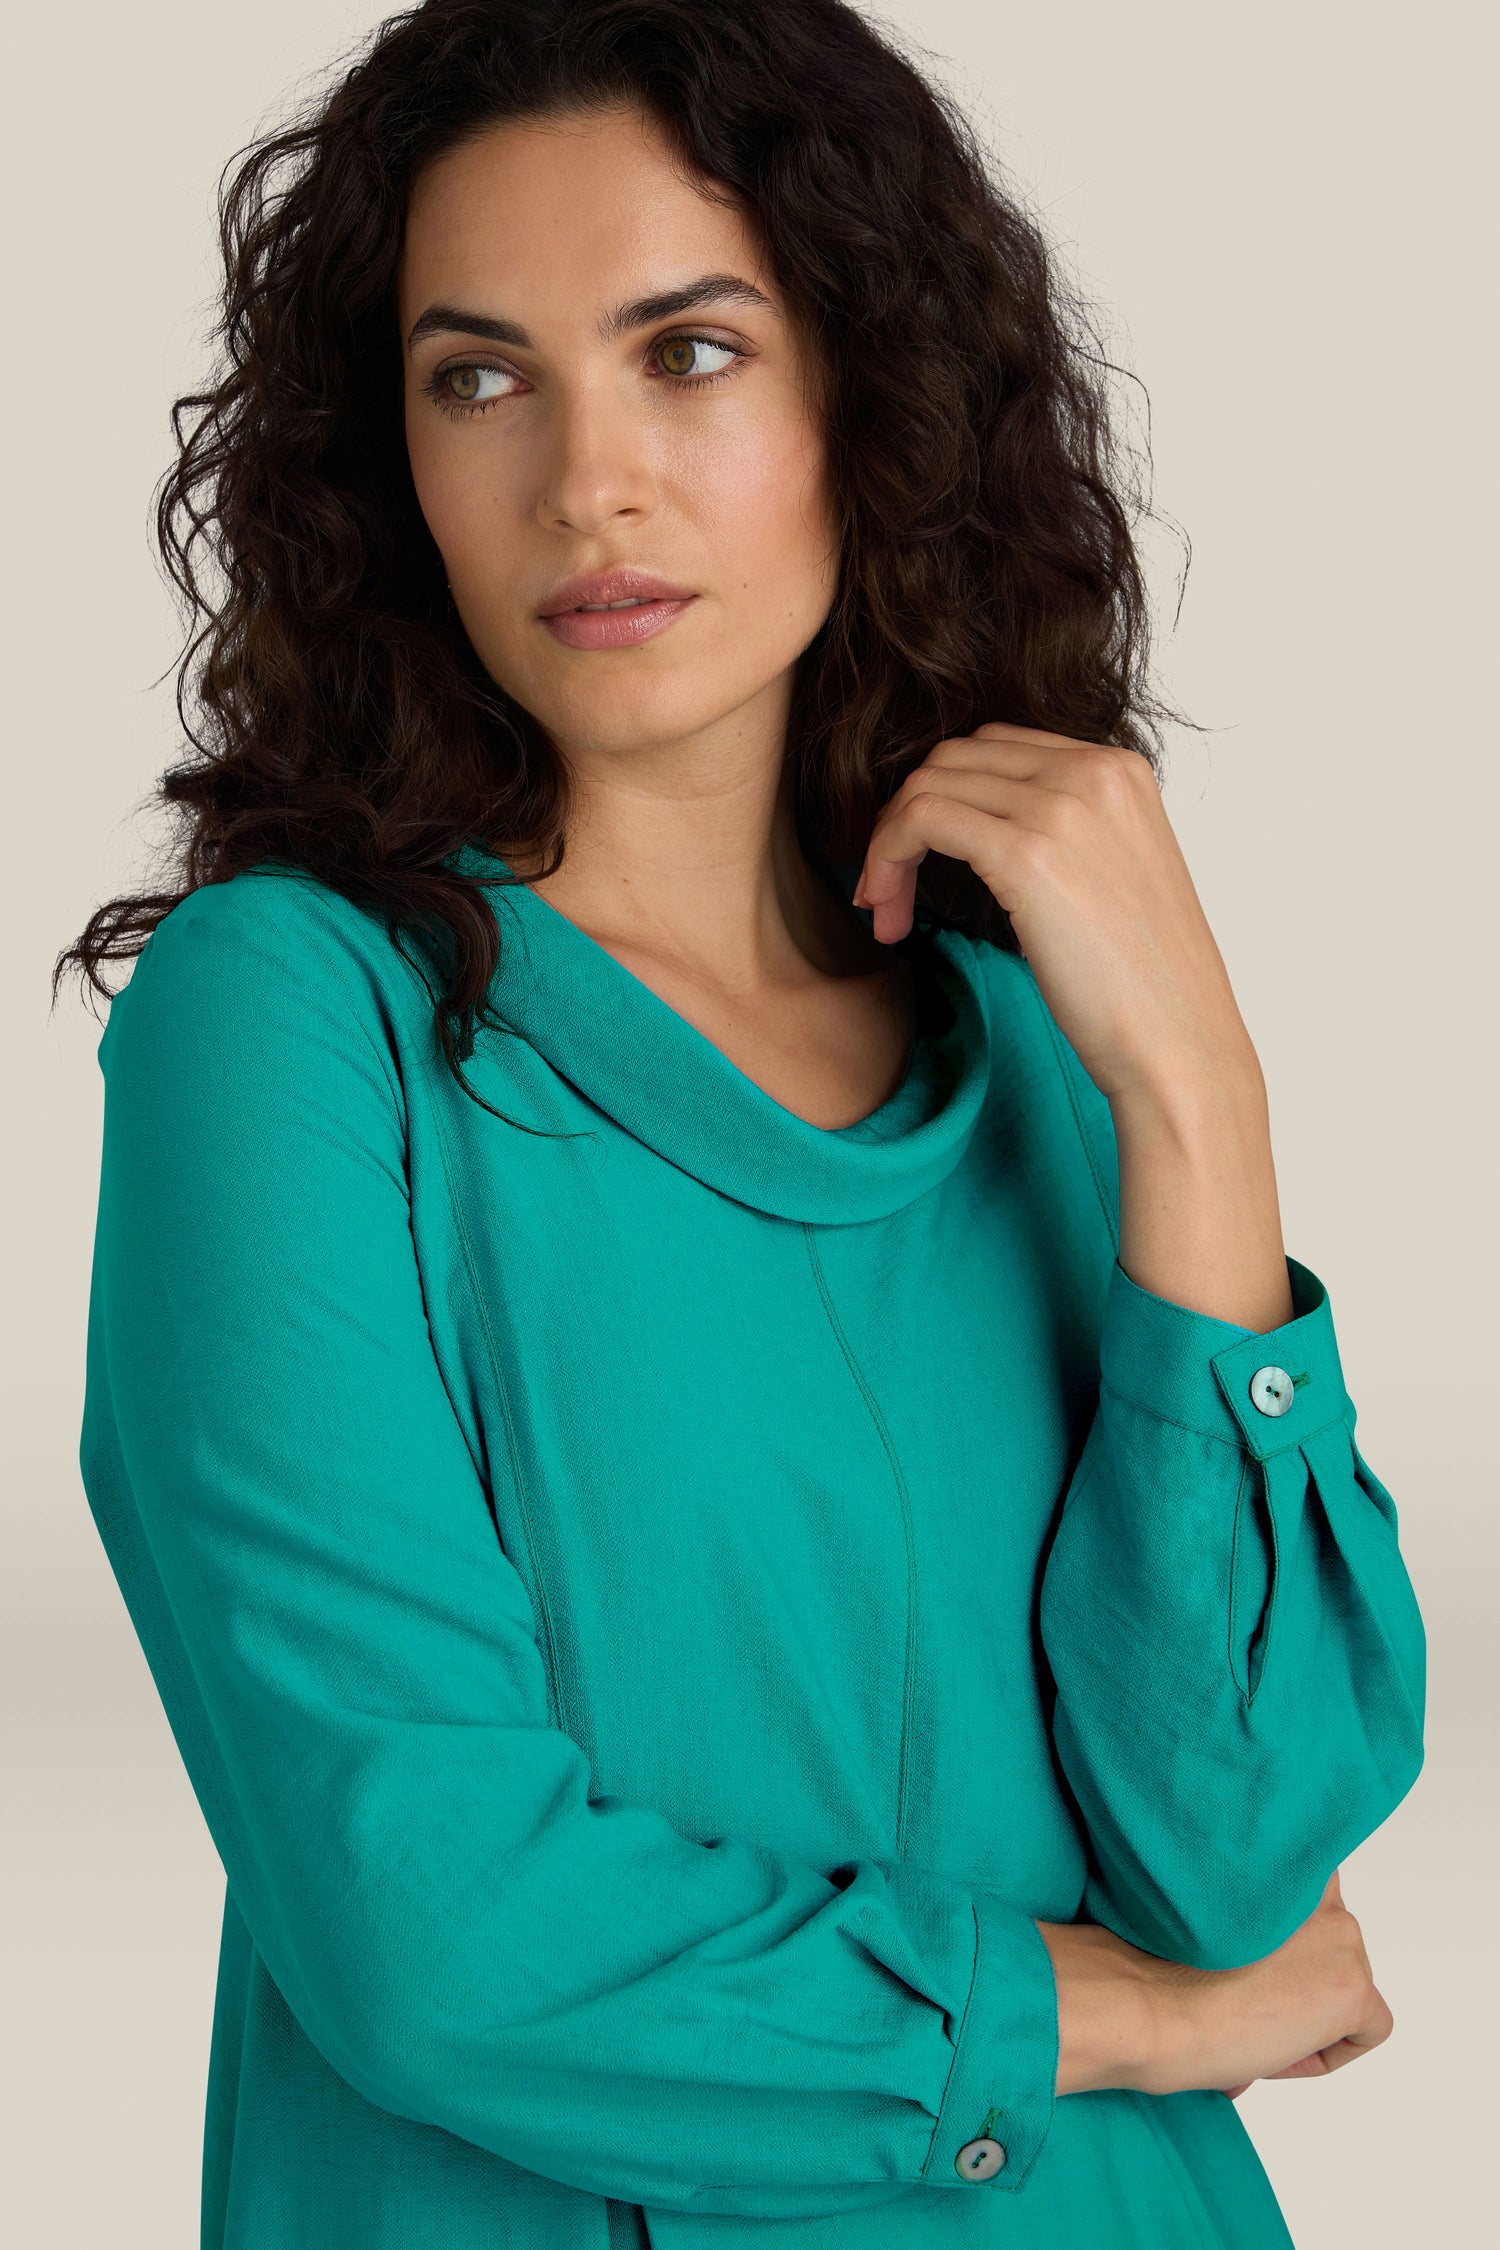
(654, 1598)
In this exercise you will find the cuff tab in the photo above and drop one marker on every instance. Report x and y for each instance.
(997, 2105)
(1282, 1385)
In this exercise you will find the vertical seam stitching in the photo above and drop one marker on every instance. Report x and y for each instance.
(512, 1447)
(908, 1696)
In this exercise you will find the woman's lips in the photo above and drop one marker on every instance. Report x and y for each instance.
(614, 628)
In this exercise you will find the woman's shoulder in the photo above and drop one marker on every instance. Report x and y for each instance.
(271, 931)
(270, 911)
(265, 975)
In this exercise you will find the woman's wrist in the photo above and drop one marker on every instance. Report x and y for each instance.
(1116, 2011)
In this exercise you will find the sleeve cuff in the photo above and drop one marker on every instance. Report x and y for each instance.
(1263, 1390)
(1003, 2080)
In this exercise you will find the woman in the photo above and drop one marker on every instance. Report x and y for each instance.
(755, 1550)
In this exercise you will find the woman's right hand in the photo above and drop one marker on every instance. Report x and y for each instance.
(1126, 2018)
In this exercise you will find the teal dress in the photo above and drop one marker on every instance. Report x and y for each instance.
(654, 1597)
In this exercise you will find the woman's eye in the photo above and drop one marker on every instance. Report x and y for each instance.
(679, 353)
(458, 389)
(691, 362)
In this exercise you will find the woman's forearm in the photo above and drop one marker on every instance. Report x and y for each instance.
(1108, 2010)
(1127, 2018)
(1200, 1221)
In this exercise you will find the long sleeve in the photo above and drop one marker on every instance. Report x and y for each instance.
(1237, 1651)
(350, 1665)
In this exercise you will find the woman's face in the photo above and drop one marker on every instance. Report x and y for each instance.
(558, 424)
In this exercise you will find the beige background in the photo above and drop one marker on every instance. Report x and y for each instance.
(1286, 209)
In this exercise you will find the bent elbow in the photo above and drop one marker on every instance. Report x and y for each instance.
(1241, 1896)
(1235, 1940)
(1227, 1931)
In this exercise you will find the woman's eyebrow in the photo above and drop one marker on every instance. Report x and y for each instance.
(709, 288)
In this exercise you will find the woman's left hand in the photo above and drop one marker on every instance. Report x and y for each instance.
(1074, 841)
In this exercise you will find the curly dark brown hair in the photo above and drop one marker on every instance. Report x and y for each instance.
(986, 505)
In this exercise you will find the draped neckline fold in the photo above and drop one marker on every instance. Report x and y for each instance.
(640, 1062)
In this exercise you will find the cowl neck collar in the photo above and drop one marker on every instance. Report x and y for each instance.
(666, 1083)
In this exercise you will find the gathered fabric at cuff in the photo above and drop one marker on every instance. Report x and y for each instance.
(1237, 1648)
